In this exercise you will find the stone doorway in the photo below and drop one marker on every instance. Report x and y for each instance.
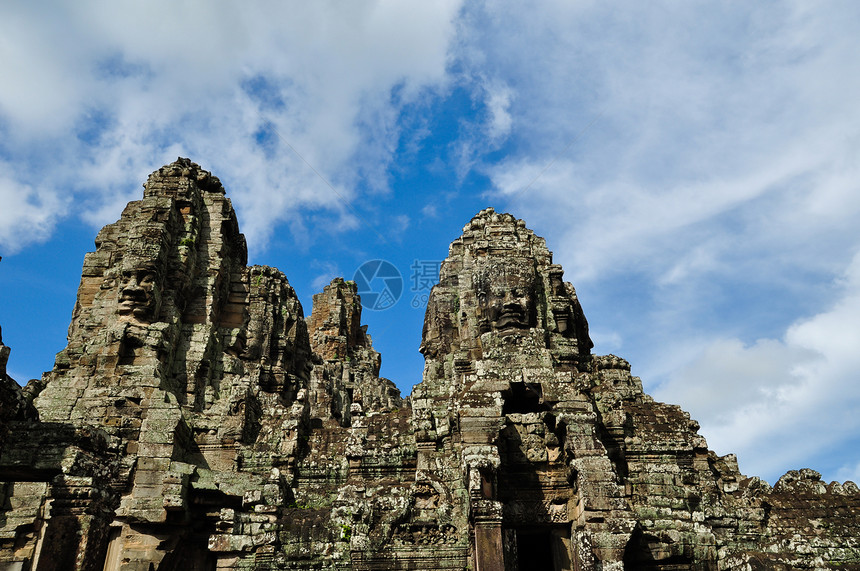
(538, 548)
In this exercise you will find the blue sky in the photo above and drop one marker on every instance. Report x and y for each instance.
(694, 167)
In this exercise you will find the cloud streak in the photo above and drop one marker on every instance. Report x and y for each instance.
(778, 402)
(139, 84)
(707, 212)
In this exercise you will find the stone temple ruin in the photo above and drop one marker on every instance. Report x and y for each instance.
(197, 420)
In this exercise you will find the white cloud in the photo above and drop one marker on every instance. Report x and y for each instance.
(498, 102)
(399, 223)
(699, 163)
(28, 213)
(141, 83)
(779, 401)
(327, 272)
(849, 473)
(704, 113)
(605, 342)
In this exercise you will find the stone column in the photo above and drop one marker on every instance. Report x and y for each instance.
(489, 549)
(76, 533)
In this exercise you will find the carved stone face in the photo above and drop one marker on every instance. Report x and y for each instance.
(138, 293)
(506, 296)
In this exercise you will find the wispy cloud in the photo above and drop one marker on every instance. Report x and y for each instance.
(29, 212)
(139, 84)
(849, 472)
(709, 208)
(327, 271)
(800, 388)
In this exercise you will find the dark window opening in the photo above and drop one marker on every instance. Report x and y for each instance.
(524, 398)
(534, 551)
(538, 548)
(129, 349)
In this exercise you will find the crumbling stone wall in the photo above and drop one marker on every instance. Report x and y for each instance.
(196, 420)
(15, 403)
(345, 378)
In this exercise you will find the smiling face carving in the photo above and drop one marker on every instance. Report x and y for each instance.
(139, 294)
(506, 296)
